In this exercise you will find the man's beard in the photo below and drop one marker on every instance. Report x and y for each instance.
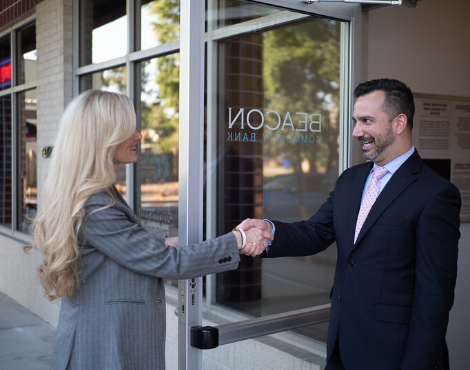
(381, 143)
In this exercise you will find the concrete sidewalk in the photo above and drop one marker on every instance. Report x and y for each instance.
(25, 340)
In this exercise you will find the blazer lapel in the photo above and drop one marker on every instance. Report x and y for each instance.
(355, 196)
(400, 180)
(120, 199)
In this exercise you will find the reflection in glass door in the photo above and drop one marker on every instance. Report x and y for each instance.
(272, 146)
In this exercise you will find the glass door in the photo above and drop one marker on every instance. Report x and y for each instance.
(273, 129)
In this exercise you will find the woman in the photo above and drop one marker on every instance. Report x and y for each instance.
(96, 255)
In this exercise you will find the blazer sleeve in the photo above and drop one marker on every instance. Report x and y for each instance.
(111, 232)
(305, 238)
(437, 235)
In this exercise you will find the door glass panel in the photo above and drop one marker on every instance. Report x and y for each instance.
(156, 185)
(272, 151)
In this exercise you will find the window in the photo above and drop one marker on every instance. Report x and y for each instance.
(103, 27)
(5, 63)
(103, 38)
(156, 186)
(26, 67)
(18, 132)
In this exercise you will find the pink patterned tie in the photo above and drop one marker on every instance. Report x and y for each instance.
(370, 196)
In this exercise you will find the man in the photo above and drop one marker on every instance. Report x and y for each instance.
(397, 255)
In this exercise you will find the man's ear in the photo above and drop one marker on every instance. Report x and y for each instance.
(400, 123)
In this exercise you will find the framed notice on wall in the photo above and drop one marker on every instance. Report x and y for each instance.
(441, 134)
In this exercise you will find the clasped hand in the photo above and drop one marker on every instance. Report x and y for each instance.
(258, 233)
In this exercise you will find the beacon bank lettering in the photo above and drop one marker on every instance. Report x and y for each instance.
(291, 129)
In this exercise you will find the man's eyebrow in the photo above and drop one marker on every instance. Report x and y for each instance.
(363, 118)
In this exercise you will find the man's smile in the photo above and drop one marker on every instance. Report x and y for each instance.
(366, 141)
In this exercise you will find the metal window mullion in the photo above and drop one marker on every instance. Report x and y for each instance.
(98, 67)
(5, 92)
(76, 48)
(257, 25)
(15, 162)
(190, 212)
(18, 25)
(14, 133)
(24, 87)
(344, 97)
(156, 51)
(211, 122)
(136, 56)
(339, 11)
(130, 88)
(355, 63)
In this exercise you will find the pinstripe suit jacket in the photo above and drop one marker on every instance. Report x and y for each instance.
(116, 320)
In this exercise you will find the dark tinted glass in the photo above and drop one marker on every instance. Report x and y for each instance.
(26, 71)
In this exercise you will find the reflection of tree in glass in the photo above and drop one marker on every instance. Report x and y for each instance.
(301, 67)
(159, 119)
(115, 79)
(167, 27)
(161, 115)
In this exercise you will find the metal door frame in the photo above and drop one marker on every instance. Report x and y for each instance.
(191, 131)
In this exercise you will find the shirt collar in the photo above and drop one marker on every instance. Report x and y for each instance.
(395, 164)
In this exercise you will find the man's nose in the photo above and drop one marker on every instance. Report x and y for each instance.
(357, 131)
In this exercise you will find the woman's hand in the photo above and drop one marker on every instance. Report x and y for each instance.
(173, 241)
(256, 242)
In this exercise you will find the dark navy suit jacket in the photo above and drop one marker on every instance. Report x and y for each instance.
(394, 287)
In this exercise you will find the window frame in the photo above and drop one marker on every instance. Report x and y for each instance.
(129, 61)
(13, 91)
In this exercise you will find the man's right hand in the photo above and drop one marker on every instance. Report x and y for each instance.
(255, 222)
(252, 249)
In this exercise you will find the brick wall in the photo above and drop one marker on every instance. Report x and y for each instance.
(11, 10)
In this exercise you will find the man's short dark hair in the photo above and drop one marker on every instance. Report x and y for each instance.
(398, 97)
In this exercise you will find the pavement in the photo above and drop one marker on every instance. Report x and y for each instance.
(26, 341)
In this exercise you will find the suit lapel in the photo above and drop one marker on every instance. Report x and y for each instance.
(400, 180)
(120, 199)
(355, 196)
(119, 196)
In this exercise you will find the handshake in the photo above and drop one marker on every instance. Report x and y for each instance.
(253, 236)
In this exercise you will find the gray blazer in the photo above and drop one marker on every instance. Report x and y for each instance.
(116, 320)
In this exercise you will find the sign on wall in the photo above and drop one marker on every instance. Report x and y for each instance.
(441, 134)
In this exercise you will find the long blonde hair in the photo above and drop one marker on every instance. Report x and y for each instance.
(90, 129)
